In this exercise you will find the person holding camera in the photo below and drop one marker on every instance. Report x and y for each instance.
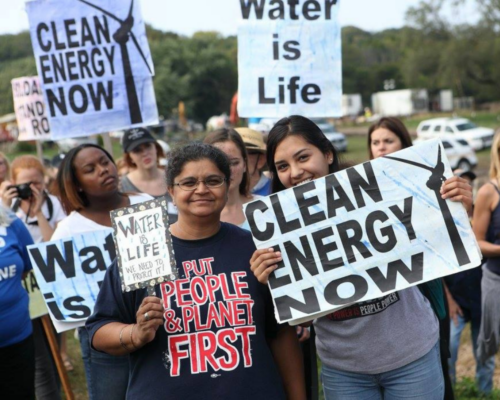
(40, 212)
(25, 194)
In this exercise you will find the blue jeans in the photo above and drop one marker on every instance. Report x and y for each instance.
(107, 375)
(484, 372)
(420, 380)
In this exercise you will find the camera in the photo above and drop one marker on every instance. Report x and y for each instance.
(24, 191)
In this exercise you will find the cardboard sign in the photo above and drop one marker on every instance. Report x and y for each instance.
(69, 273)
(37, 304)
(289, 59)
(29, 106)
(94, 64)
(144, 245)
(363, 233)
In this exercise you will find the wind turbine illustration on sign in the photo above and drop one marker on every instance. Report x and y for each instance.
(434, 183)
(122, 36)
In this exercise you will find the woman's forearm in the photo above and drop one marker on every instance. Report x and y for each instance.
(116, 339)
(46, 230)
(287, 355)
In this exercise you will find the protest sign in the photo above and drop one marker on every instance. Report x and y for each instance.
(37, 304)
(289, 58)
(32, 121)
(144, 245)
(69, 273)
(94, 64)
(363, 233)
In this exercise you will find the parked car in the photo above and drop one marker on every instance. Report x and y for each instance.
(459, 153)
(461, 128)
(338, 139)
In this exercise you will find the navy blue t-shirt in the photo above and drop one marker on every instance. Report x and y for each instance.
(218, 317)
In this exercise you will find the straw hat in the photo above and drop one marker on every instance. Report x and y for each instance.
(253, 140)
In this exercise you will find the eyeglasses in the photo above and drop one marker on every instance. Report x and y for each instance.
(211, 182)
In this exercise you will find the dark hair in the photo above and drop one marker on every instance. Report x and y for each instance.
(196, 152)
(67, 183)
(230, 135)
(394, 125)
(309, 131)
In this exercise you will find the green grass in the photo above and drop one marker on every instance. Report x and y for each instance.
(466, 389)
(77, 378)
(481, 118)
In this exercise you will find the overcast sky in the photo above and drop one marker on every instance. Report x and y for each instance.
(189, 16)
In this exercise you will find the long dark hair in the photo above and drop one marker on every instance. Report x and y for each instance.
(309, 131)
(67, 183)
(230, 135)
(394, 125)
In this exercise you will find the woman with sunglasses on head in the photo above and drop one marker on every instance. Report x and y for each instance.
(486, 226)
(230, 142)
(211, 333)
(87, 184)
(141, 155)
(386, 136)
(392, 354)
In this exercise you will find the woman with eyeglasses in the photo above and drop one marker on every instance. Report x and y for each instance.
(141, 155)
(211, 333)
(87, 184)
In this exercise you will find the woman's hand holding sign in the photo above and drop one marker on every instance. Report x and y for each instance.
(149, 318)
(458, 189)
(263, 263)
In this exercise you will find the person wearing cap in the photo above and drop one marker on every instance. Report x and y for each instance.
(260, 184)
(142, 154)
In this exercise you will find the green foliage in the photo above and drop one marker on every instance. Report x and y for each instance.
(466, 389)
(202, 72)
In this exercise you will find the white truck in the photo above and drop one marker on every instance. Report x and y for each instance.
(403, 102)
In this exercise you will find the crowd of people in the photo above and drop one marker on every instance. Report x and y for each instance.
(212, 332)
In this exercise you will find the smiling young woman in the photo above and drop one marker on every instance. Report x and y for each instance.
(391, 354)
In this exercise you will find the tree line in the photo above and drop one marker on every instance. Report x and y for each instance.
(429, 52)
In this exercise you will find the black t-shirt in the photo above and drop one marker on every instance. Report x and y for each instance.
(217, 319)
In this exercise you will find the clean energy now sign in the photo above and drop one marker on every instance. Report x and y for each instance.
(94, 65)
(363, 234)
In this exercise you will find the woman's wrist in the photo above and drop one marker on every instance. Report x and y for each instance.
(126, 338)
(132, 338)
